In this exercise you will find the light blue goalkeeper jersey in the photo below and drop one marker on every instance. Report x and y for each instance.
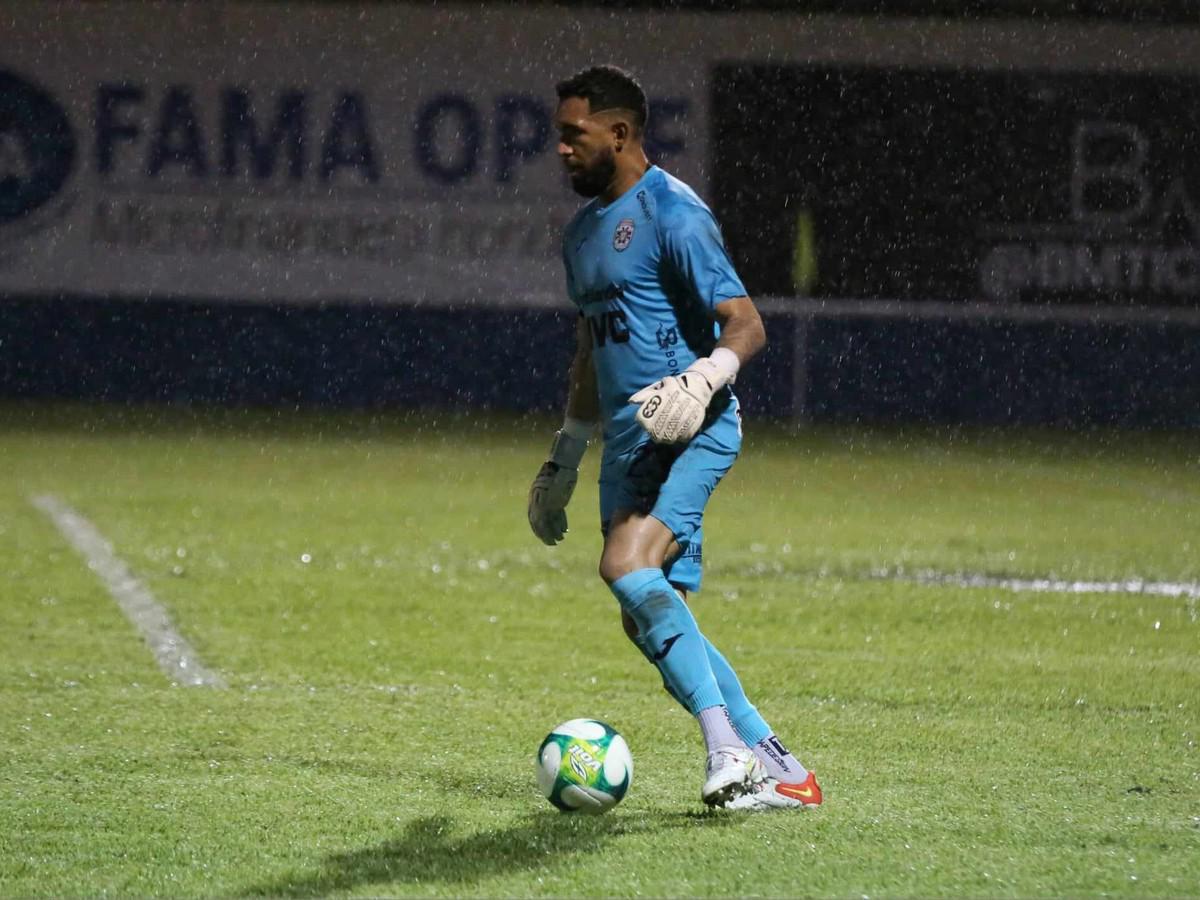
(646, 273)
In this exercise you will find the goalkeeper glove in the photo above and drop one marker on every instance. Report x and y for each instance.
(673, 410)
(551, 489)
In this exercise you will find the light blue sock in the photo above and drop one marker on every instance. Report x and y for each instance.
(747, 722)
(751, 727)
(669, 636)
(640, 643)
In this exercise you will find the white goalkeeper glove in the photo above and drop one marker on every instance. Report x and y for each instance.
(551, 489)
(672, 410)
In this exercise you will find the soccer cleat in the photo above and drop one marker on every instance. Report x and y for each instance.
(774, 794)
(732, 772)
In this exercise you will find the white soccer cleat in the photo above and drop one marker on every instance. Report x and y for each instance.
(771, 793)
(763, 797)
(732, 773)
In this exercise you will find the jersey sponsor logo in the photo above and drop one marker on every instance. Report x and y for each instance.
(623, 236)
(667, 338)
(641, 195)
(608, 325)
(602, 295)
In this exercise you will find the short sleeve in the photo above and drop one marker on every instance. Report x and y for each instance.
(693, 245)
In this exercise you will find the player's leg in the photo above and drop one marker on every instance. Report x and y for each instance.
(680, 505)
(634, 549)
(635, 546)
(788, 784)
(653, 500)
(684, 571)
(631, 631)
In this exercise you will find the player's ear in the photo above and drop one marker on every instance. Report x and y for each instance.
(620, 131)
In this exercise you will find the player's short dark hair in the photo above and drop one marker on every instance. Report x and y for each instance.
(607, 87)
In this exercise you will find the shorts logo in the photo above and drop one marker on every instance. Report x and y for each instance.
(37, 148)
(623, 235)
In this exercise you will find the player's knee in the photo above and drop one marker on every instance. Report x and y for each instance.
(630, 626)
(615, 565)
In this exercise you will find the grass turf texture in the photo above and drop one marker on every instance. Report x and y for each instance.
(386, 696)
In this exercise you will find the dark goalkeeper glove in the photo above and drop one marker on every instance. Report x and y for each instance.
(552, 488)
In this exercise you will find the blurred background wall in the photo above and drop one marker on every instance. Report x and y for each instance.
(977, 213)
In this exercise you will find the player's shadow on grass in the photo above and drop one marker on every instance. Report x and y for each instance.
(429, 851)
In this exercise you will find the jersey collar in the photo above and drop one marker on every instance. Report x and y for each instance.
(603, 210)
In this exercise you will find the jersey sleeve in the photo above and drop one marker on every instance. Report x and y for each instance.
(693, 245)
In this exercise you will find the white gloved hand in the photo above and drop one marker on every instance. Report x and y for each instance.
(552, 488)
(672, 410)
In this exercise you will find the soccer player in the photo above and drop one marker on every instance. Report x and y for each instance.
(664, 325)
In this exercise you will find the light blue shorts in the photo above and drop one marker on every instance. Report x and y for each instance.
(673, 484)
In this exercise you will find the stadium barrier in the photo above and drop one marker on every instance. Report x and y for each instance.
(850, 362)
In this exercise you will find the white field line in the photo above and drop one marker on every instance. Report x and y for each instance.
(1188, 589)
(174, 654)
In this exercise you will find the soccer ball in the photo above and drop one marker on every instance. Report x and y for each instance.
(584, 766)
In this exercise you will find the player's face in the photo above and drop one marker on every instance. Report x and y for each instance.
(585, 146)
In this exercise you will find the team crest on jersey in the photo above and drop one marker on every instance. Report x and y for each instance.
(623, 236)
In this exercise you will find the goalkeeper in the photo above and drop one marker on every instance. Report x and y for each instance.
(664, 325)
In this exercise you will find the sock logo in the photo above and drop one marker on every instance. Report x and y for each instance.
(778, 753)
(666, 647)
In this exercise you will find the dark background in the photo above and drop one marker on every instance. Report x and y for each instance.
(1177, 12)
(905, 172)
(893, 198)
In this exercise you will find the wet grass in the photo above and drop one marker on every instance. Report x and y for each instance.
(396, 644)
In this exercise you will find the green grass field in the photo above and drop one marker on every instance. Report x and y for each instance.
(386, 696)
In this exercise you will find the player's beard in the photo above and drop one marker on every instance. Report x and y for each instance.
(595, 179)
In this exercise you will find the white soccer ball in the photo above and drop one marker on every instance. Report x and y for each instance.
(584, 766)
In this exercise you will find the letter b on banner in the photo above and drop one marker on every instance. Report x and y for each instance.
(1108, 174)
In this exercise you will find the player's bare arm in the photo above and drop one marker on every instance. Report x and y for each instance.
(583, 401)
(555, 482)
(742, 330)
